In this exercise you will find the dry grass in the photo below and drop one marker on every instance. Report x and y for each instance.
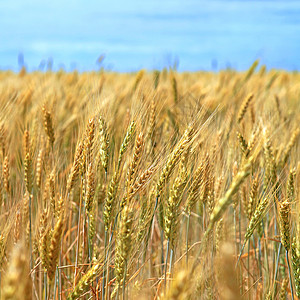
(159, 185)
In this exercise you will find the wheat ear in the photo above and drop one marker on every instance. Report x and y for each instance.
(83, 285)
(104, 143)
(173, 159)
(48, 125)
(244, 107)
(126, 141)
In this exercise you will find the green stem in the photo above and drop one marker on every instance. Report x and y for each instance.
(162, 249)
(248, 266)
(240, 227)
(290, 275)
(55, 282)
(276, 269)
(241, 252)
(30, 233)
(150, 226)
(167, 255)
(89, 241)
(124, 280)
(171, 260)
(78, 237)
(235, 231)
(187, 240)
(106, 262)
(104, 267)
(259, 257)
(45, 286)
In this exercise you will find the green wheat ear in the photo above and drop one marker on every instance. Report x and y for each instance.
(225, 201)
(254, 221)
(126, 141)
(284, 221)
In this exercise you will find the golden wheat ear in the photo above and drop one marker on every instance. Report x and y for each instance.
(48, 125)
(244, 107)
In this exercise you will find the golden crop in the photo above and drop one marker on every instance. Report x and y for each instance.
(155, 185)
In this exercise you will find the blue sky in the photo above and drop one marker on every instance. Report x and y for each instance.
(150, 34)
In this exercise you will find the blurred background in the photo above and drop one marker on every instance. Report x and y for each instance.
(128, 35)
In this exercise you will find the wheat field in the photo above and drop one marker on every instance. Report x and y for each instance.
(150, 185)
